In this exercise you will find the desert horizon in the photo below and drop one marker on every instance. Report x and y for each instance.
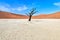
(29, 19)
(8, 15)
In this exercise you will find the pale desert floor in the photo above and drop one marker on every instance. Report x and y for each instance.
(37, 29)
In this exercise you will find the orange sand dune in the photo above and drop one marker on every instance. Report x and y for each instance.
(8, 15)
(48, 16)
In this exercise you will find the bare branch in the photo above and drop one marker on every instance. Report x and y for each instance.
(33, 11)
(27, 14)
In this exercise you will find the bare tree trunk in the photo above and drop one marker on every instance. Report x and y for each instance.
(30, 18)
(30, 14)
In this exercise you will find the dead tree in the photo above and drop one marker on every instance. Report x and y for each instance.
(30, 14)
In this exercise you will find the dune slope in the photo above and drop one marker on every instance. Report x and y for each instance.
(48, 16)
(8, 15)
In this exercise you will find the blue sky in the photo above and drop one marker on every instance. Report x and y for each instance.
(23, 6)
